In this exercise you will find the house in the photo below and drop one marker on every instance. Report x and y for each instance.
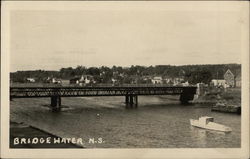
(230, 78)
(114, 80)
(65, 82)
(219, 83)
(157, 80)
(168, 80)
(178, 81)
(238, 81)
(86, 79)
(74, 80)
(32, 80)
(53, 80)
(185, 83)
(56, 81)
(233, 78)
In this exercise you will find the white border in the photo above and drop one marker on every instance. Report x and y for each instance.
(7, 6)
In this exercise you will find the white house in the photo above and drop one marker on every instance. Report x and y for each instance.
(86, 79)
(157, 80)
(31, 80)
(219, 82)
(56, 81)
(178, 81)
(185, 83)
(114, 80)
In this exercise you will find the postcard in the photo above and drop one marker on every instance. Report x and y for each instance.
(125, 79)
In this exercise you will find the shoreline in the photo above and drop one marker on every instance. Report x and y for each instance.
(21, 130)
(223, 100)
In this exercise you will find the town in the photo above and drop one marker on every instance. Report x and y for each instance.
(227, 75)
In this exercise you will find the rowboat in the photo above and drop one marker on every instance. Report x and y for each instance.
(206, 122)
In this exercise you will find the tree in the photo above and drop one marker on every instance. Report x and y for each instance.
(195, 77)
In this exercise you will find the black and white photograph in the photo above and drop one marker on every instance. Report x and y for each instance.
(164, 75)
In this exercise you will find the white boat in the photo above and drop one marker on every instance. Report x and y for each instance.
(208, 123)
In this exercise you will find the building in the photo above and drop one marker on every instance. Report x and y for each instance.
(178, 81)
(65, 82)
(87, 79)
(157, 80)
(32, 80)
(200, 89)
(233, 79)
(74, 80)
(219, 83)
(83, 80)
(56, 81)
(114, 80)
(185, 83)
(238, 81)
(230, 78)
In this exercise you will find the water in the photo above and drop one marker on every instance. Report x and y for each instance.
(158, 122)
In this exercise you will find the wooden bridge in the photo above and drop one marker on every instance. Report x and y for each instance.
(131, 93)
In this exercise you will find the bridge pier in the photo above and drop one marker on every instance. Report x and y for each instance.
(186, 96)
(131, 101)
(55, 103)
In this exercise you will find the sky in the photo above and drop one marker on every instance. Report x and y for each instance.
(52, 39)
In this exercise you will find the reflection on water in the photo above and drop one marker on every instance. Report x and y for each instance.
(157, 123)
(204, 135)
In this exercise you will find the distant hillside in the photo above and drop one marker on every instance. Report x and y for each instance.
(192, 73)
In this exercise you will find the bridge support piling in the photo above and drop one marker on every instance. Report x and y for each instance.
(55, 103)
(136, 101)
(186, 96)
(131, 101)
(127, 101)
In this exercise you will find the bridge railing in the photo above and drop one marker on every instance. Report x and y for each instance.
(22, 92)
(31, 85)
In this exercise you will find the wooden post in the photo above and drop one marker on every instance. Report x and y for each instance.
(127, 101)
(131, 102)
(59, 103)
(184, 99)
(136, 101)
(55, 103)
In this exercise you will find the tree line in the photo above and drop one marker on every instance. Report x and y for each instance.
(191, 73)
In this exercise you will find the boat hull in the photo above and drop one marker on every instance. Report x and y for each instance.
(210, 126)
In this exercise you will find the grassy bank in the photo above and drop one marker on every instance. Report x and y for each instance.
(228, 96)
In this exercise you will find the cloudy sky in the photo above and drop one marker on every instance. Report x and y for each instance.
(52, 39)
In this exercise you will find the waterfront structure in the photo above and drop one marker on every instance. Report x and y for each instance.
(200, 89)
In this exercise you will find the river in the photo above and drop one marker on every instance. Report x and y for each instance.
(158, 122)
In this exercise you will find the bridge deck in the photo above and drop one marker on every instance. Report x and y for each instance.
(34, 92)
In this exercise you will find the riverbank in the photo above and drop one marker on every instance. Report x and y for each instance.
(223, 100)
(25, 136)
